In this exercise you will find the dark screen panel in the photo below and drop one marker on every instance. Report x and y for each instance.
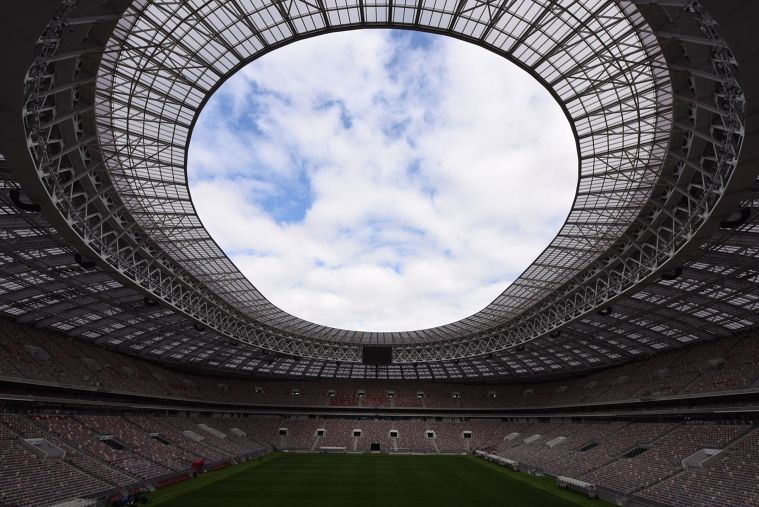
(377, 355)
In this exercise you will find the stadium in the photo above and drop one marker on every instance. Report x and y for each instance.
(138, 363)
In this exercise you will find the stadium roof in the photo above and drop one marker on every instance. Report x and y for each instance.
(101, 239)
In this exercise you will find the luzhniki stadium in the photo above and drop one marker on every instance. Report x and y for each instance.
(620, 364)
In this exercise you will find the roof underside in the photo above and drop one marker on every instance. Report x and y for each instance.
(42, 285)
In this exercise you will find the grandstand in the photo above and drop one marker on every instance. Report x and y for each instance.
(622, 363)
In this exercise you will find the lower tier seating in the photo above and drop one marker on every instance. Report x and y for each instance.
(105, 453)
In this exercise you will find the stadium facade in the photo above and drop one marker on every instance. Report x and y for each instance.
(643, 308)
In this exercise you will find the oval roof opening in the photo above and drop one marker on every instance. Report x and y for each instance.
(382, 180)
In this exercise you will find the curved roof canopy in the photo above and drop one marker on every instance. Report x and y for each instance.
(657, 114)
(164, 60)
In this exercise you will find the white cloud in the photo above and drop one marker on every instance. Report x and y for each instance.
(362, 180)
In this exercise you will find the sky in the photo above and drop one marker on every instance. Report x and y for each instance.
(382, 180)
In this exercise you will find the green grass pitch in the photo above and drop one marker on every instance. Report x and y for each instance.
(317, 480)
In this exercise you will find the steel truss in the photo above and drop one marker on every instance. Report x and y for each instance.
(657, 114)
(42, 284)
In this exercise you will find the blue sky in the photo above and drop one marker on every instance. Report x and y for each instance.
(382, 180)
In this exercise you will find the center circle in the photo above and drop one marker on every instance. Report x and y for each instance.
(382, 180)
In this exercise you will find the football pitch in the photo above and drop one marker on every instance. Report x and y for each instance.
(318, 480)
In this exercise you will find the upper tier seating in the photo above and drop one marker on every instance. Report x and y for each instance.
(32, 354)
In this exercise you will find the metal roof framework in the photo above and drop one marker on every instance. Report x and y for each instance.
(42, 284)
(656, 114)
(161, 66)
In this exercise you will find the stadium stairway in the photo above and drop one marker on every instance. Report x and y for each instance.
(27, 427)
